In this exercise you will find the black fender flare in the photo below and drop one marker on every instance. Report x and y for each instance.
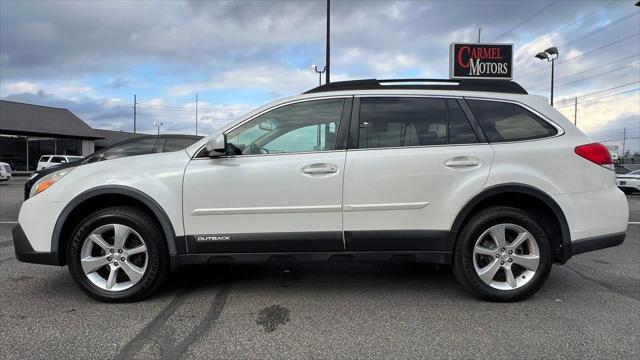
(514, 188)
(167, 227)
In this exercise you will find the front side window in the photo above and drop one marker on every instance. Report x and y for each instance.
(302, 127)
(58, 159)
(503, 121)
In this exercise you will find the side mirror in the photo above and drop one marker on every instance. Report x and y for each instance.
(217, 146)
(266, 125)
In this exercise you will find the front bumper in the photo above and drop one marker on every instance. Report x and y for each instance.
(25, 253)
(597, 243)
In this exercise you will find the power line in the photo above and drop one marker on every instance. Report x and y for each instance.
(593, 76)
(583, 54)
(601, 91)
(602, 28)
(600, 98)
(582, 18)
(599, 66)
(527, 19)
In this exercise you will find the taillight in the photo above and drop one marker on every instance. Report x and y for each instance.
(596, 153)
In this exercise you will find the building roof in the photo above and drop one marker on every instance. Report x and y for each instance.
(35, 120)
(110, 137)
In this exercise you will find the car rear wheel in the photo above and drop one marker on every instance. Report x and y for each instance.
(118, 255)
(503, 254)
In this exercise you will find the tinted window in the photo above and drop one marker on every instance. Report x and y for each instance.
(502, 121)
(138, 147)
(621, 170)
(175, 144)
(460, 130)
(302, 127)
(44, 159)
(394, 122)
(58, 159)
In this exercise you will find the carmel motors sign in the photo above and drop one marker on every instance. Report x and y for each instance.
(481, 61)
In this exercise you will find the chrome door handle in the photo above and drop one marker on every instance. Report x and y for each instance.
(462, 162)
(319, 169)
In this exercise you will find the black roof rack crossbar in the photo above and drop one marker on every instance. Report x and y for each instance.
(500, 86)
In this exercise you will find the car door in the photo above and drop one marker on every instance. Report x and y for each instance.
(412, 164)
(280, 186)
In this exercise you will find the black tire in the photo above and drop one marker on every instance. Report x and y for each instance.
(157, 254)
(463, 256)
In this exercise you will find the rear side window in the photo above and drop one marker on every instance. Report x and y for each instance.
(397, 122)
(460, 130)
(58, 159)
(502, 121)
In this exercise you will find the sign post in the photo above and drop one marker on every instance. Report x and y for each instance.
(481, 61)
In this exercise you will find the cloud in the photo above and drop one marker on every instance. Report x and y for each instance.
(234, 53)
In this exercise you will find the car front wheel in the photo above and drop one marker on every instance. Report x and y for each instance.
(503, 254)
(118, 255)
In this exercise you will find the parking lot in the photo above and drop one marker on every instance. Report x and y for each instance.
(589, 308)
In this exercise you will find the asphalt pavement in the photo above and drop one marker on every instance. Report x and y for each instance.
(588, 309)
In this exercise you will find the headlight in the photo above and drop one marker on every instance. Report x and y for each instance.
(46, 181)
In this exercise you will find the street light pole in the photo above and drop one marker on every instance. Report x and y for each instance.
(327, 66)
(319, 72)
(157, 125)
(549, 56)
(552, 76)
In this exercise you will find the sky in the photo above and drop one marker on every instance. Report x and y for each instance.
(93, 56)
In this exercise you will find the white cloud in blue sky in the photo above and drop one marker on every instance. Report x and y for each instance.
(91, 56)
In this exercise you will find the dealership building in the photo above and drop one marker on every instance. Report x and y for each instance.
(29, 131)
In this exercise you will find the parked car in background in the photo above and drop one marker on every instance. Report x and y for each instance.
(138, 146)
(629, 182)
(5, 171)
(49, 161)
(620, 170)
(357, 171)
(614, 156)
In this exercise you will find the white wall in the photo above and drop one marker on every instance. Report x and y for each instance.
(87, 147)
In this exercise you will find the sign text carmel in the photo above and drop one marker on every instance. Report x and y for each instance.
(481, 61)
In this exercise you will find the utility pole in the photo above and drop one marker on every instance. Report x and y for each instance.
(624, 140)
(327, 65)
(135, 111)
(479, 32)
(575, 111)
(196, 114)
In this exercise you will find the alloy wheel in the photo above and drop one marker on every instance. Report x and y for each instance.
(114, 257)
(506, 256)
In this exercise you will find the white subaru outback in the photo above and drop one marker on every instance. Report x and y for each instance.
(472, 173)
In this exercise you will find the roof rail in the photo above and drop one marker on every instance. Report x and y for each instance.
(501, 86)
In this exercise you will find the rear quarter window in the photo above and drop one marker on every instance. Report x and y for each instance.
(503, 121)
(44, 159)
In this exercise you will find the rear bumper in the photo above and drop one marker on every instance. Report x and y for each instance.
(25, 253)
(596, 243)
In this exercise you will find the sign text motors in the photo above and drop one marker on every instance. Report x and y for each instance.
(481, 61)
